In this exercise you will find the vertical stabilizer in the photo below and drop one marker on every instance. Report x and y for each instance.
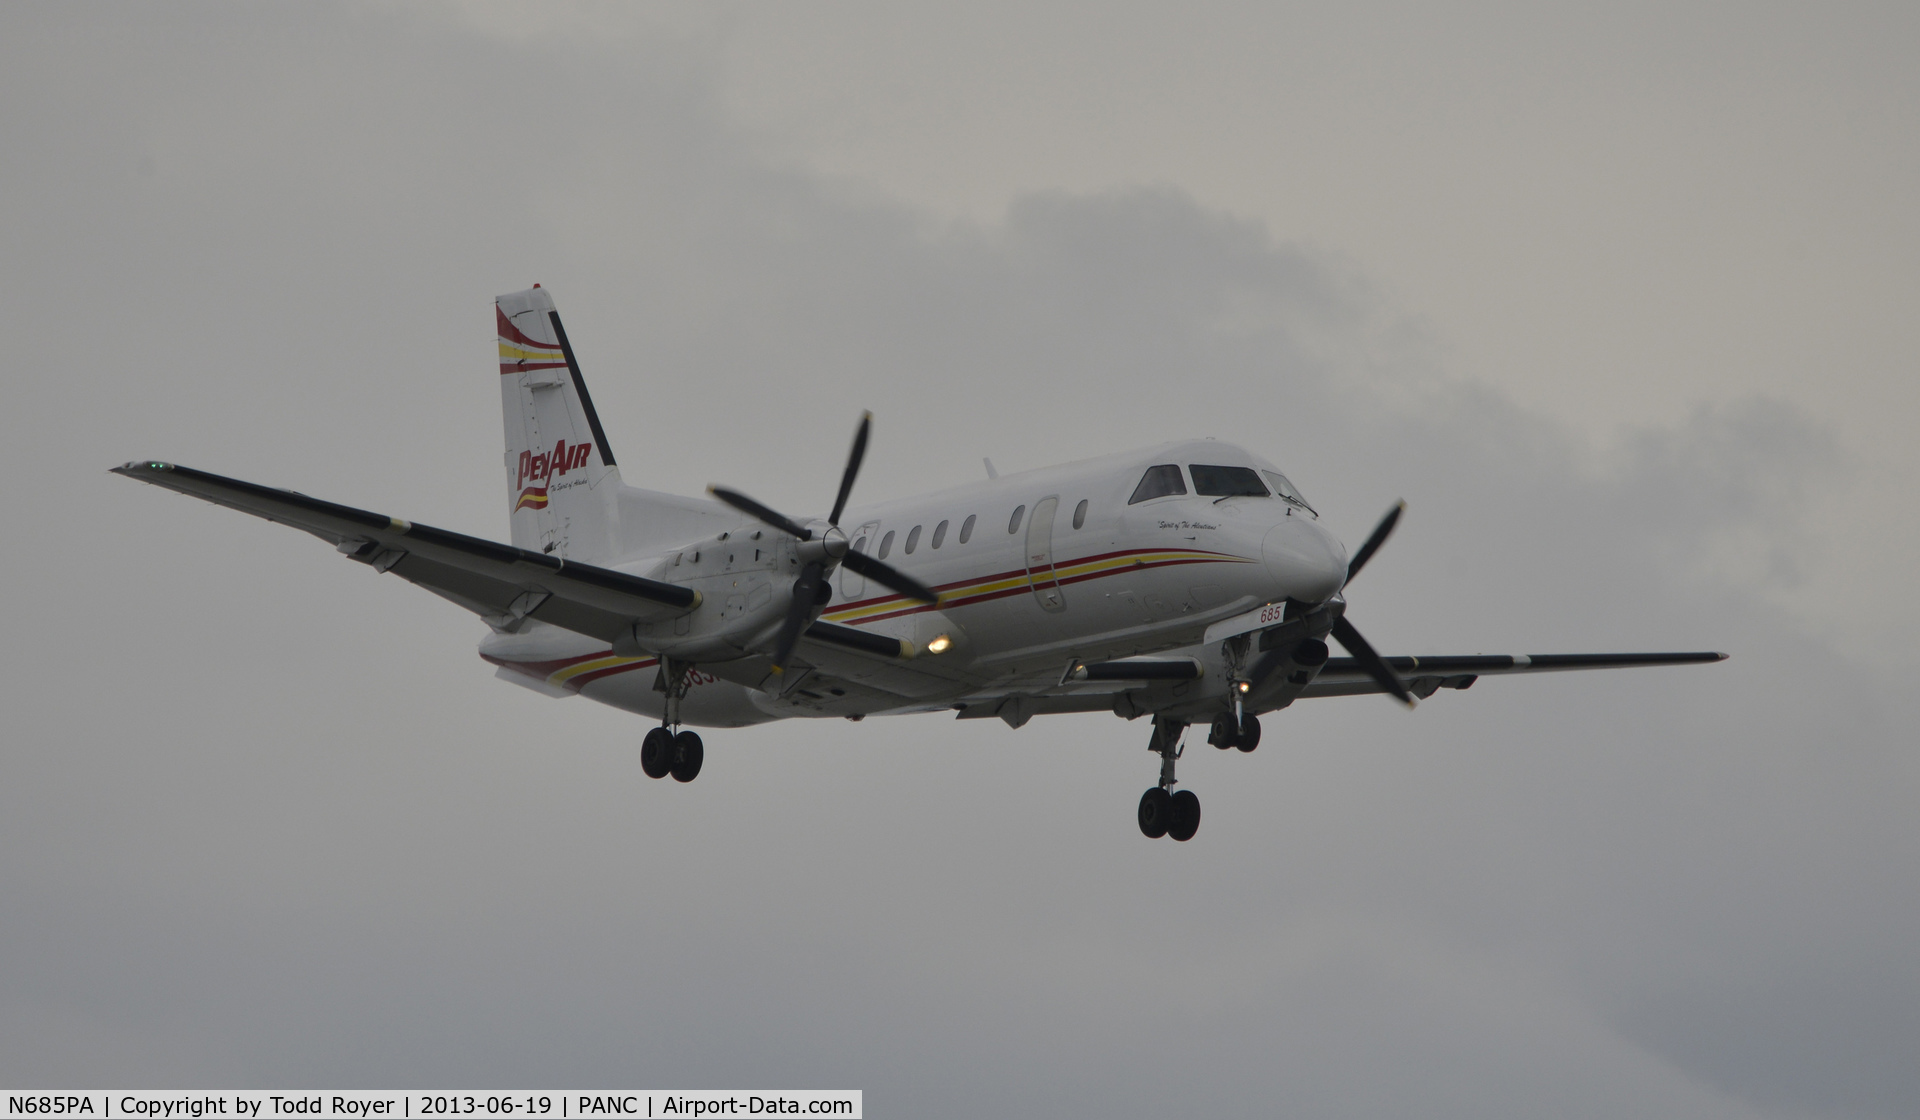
(562, 484)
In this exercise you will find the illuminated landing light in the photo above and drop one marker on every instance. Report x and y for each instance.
(1244, 686)
(939, 644)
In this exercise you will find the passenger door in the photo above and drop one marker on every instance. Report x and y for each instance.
(852, 583)
(1040, 573)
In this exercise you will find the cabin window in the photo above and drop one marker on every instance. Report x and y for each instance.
(939, 534)
(1013, 523)
(860, 545)
(1080, 514)
(1158, 482)
(966, 528)
(1226, 482)
(913, 539)
(1287, 490)
(886, 544)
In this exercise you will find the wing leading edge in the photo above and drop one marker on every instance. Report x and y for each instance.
(1423, 676)
(499, 582)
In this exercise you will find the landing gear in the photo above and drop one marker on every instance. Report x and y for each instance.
(657, 753)
(663, 751)
(1225, 733)
(688, 753)
(1183, 818)
(1163, 812)
(1156, 812)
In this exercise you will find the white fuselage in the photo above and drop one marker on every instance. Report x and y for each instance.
(1036, 570)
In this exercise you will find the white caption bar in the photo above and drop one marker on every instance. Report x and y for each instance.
(539, 1104)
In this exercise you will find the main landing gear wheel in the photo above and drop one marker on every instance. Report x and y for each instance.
(1249, 736)
(1183, 818)
(688, 753)
(1156, 810)
(656, 753)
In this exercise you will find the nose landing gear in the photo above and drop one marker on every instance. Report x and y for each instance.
(1164, 812)
(1243, 733)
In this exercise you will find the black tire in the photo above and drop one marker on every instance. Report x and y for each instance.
(1183, 815)
(1222, 734)
(1249, 736)
(1155, 811)
(688, 753)
(656, 753)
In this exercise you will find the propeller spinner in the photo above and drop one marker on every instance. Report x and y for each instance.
(829, 547)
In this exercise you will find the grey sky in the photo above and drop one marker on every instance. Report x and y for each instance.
(1613, 305)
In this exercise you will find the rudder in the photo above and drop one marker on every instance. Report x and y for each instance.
(562, 484)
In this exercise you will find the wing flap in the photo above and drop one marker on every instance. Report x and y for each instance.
(497, 581)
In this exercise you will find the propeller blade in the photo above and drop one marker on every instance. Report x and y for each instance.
(806, 591)
(759, 512)
(1376, 667)
(884, 574)
(1374, 542)
(858, 453)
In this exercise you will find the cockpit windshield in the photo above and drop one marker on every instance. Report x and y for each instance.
(1226, 482)
(1158, 482)
(1286, 490)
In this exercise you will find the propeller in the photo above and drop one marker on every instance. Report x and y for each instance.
(1375, 539)
(808, 588)
(1349, 638)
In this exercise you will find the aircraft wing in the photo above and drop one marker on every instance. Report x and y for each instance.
(499, 582)
(1343, 676)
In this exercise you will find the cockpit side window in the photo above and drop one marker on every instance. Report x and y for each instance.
(1158, 482)
(1226, 482)
(1287, 490)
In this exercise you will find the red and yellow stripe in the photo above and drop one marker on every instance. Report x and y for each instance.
(575, 673)
(1002, 584)
(520, 353)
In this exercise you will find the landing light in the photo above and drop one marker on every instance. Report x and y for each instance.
(1244, 686)
(939, 644)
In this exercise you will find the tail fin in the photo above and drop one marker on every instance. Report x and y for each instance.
(562, 484)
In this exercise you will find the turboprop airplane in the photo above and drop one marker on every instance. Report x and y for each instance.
(1185, 583)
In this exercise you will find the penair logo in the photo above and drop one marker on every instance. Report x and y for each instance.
(539, 469)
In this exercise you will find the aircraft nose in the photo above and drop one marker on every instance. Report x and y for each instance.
(1308, 563)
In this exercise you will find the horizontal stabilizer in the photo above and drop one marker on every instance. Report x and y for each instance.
(497, 581)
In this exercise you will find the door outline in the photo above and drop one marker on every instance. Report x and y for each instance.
(1039, 555)
(852, 583)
